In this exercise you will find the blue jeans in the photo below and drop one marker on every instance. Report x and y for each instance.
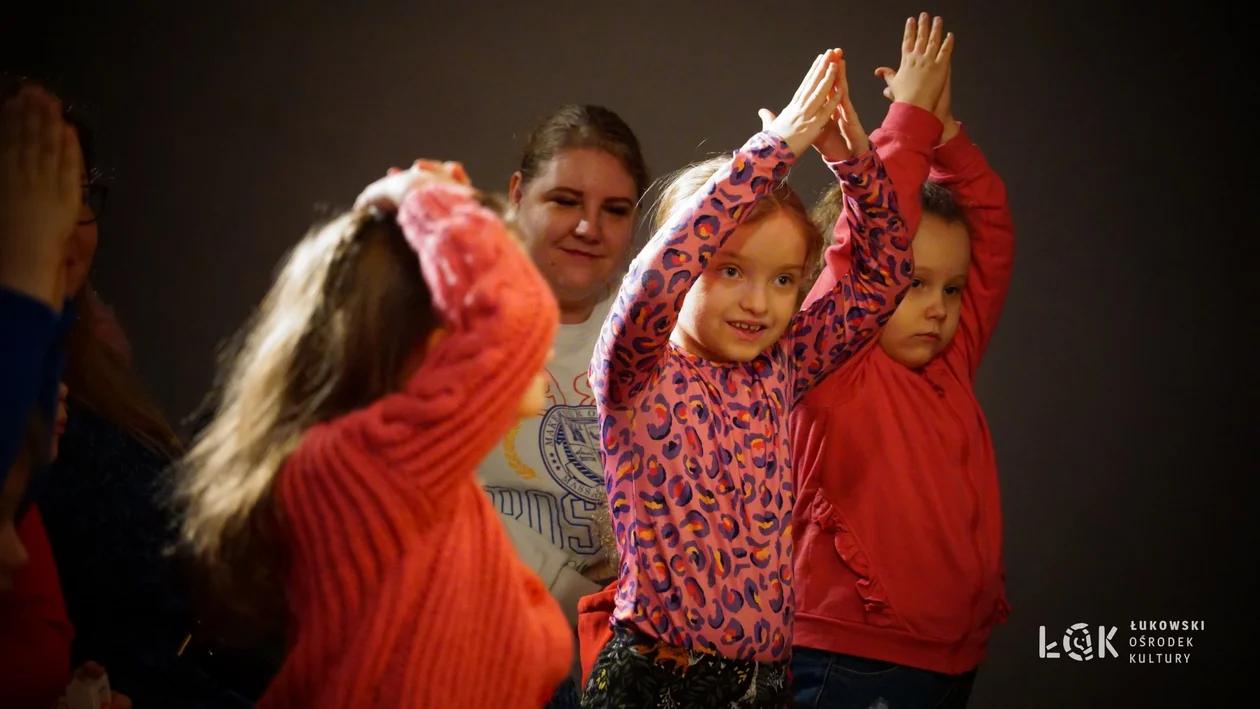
(826, 680)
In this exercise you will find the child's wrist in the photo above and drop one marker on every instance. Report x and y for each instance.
(846, 168)
(796, 142)
(852, 157)
(833, 153)
(797, 137)
(917, 101)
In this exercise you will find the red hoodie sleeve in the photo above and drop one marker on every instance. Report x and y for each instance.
(961, 167)
(35, 632)
(904, 142)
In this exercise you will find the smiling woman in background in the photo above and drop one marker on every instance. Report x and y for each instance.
(575, 197)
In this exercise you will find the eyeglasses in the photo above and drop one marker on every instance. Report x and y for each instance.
(94, 200)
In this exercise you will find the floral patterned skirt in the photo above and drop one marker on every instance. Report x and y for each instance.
(638, 671)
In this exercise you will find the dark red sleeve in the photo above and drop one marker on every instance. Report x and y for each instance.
(961, 167)
(35, 632)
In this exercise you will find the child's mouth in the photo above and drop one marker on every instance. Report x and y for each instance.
(750, 332)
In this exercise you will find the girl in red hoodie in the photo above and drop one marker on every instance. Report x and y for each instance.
(898, 521)
(401, 340)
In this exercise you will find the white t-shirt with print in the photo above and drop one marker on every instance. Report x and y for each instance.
(545, 476)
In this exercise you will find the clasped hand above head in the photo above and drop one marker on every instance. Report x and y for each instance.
(388, 192)
(822, 112)
(41, 195)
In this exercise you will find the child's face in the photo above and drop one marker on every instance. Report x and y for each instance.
(743, 301)
(925, 322)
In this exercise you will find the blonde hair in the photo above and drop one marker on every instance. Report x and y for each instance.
(348, 309)
(685, 183)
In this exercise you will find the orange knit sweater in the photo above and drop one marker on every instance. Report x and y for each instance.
(403, 588)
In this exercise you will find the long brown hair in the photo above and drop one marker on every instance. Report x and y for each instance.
(347, 310)
(101, 379)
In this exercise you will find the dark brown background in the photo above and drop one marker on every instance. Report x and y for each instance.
(1116, 384)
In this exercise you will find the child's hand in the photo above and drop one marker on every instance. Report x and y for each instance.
(945, 112)
(843, 136)
(40, 194)
(853, 138)
(388, 192)
(942, 110)
(924, 70)
(803, 120)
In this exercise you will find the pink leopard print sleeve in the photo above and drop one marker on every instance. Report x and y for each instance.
(828, 332)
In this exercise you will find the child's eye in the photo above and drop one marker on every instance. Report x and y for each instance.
(729, 271)
(915, 283)
(952, 290)
(784, 280)
(619, 211)
(565, 201)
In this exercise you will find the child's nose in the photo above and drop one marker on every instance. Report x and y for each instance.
(754, 300)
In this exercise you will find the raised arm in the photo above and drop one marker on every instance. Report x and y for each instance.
(40, 200)
(919, 89)
(633, 339)
(499, 318)
(981, 193)
(831, 329)
(904, 142)
(870, 265)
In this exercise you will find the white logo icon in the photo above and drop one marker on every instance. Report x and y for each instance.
(1078, 643)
